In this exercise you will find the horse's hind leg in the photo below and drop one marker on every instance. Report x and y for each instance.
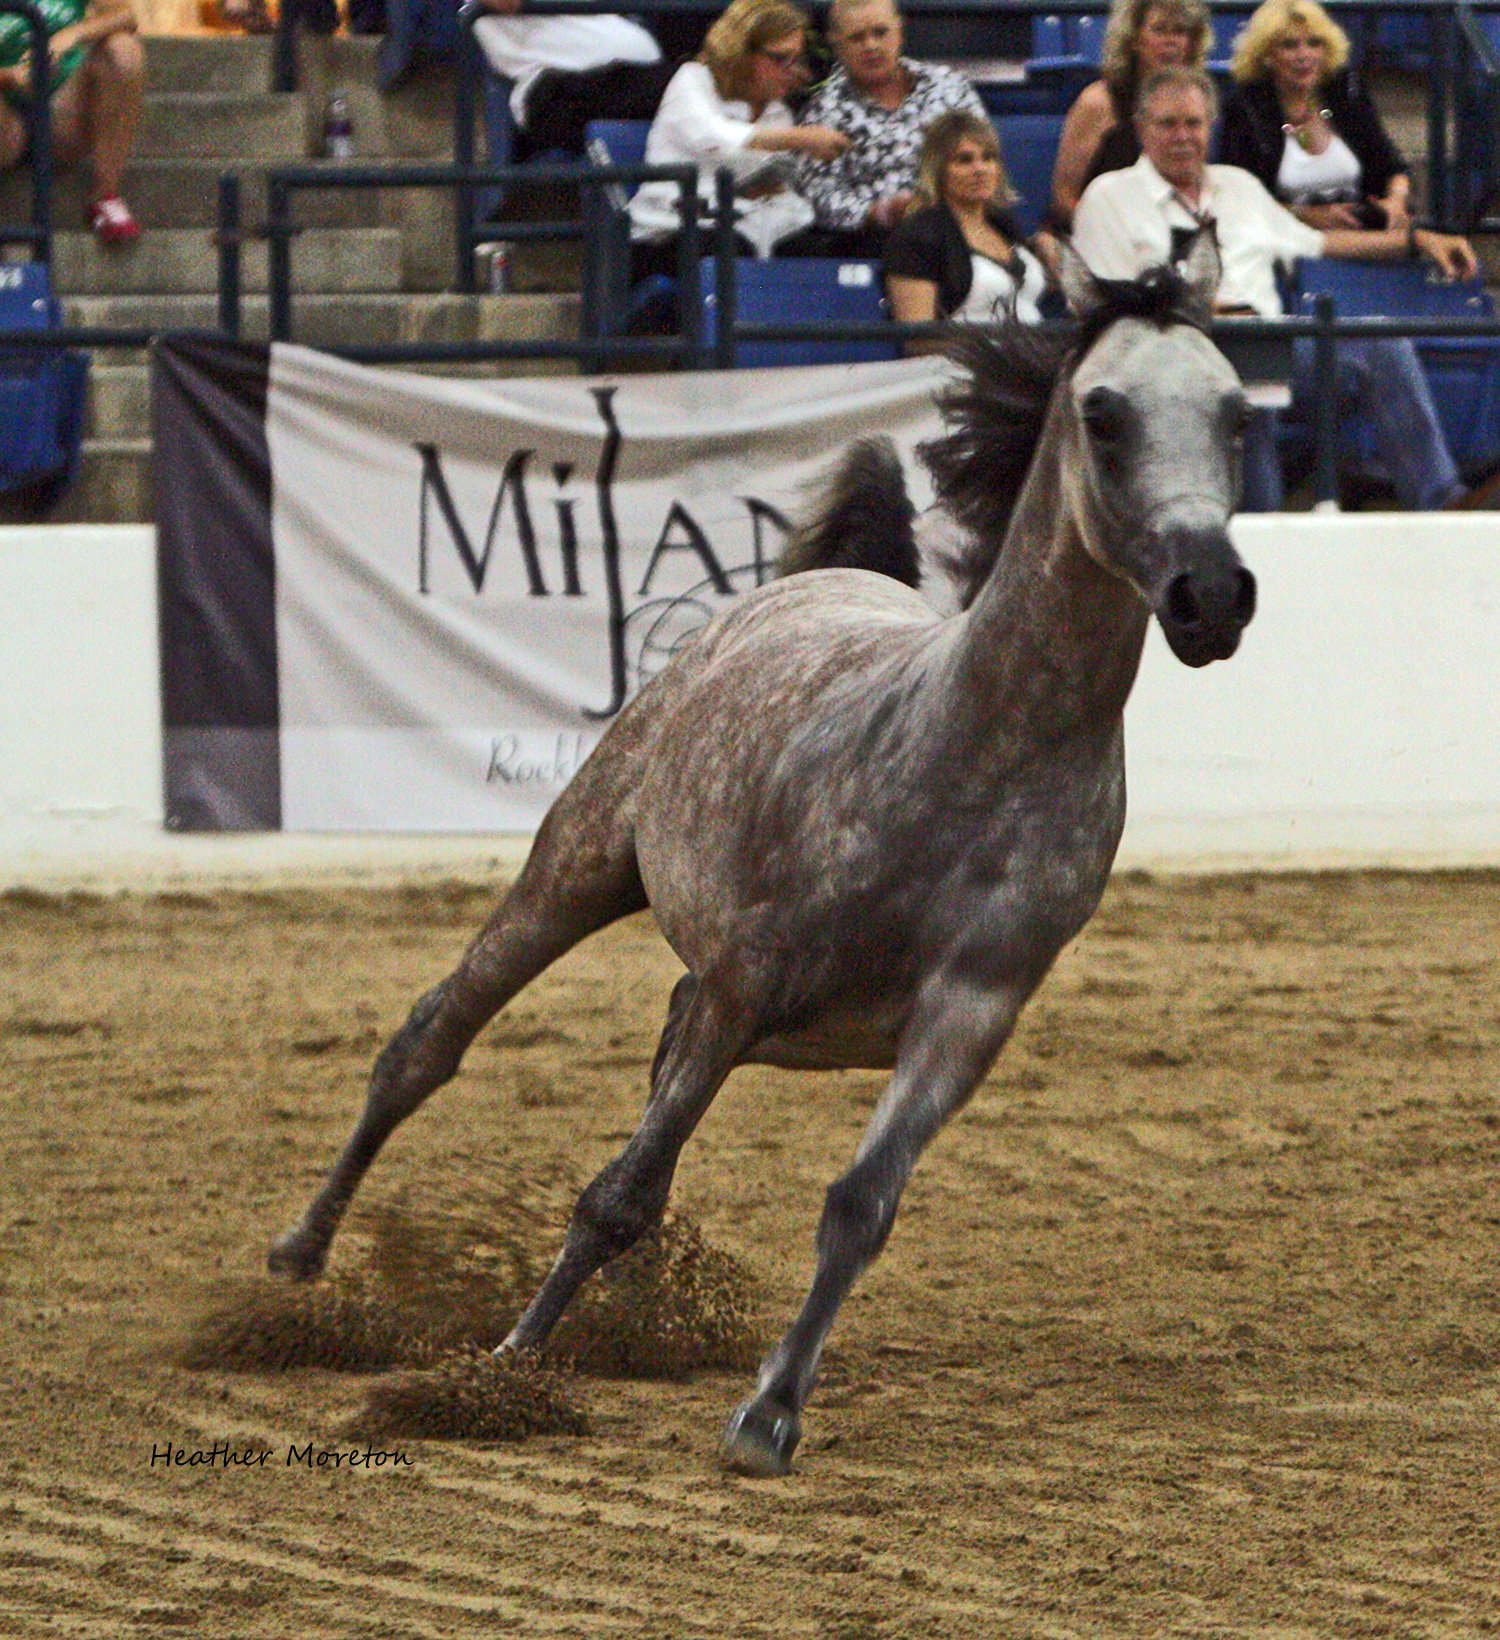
(565, 892)
(707, 1030)
(942, 1059)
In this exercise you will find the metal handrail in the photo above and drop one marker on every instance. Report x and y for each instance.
(283, 181)
(38, 136)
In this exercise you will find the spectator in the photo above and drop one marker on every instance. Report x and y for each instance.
(1299, 120)
(567, 70)
(1099, 132)
(98, 79)
(959, 254)
(1130, 220)
(728, 109)
(882, 102)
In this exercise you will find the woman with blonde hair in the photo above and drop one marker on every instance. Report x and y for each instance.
(1299, 120)
(1099, 132)
(728, 109)
(959, 254)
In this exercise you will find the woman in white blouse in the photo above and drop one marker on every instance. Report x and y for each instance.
(728, 109)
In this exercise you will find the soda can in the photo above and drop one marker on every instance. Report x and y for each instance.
(495, 261)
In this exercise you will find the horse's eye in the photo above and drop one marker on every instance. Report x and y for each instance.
(1103, 414)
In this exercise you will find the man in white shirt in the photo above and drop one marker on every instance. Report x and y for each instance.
(1129, 220)
(565, 70)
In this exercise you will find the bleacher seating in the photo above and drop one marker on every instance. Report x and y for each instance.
(1463, 373)
(1028, 144)
(41, 393)
(801, 290)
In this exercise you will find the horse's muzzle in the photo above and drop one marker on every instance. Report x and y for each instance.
(1208, 598)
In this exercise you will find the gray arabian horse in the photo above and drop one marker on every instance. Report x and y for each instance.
(868, 830)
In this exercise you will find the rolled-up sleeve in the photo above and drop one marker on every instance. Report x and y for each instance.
(692, 120)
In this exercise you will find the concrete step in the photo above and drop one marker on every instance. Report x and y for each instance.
(113, 485)
(206, 62)
(199, 124)
(119, 402)
(184, 261)
(346, 321)
(183, 193)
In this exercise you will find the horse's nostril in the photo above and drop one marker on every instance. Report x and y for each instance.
(1244, 596)
(1182, 602)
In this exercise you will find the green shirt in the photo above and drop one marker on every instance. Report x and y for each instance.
(15, 37)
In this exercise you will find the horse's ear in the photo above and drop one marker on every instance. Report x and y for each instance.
(1200, 269)
(1079, 287)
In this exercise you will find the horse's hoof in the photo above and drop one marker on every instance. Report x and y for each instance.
(292, 1256)
(760, 1439)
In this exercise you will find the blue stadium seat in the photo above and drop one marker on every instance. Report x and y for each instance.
(617, 142)
(1393, 289)
(801, 290)
(1065, 51)
(1224, 27)
(1404, 39)
(1049, 35)
(41, 393)
(1028, 144)
(1463, 374)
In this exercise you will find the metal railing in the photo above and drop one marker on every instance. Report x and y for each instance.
(38, 116)
(597, 343)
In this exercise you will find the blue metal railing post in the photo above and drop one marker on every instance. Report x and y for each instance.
(1325, 408)
(689, 283)
(279, 255)
(229, 239)
(284, 48)
(465, 111)
(726, 289)
(1442, 28)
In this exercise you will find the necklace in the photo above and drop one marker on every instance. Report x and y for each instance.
(1302, 131)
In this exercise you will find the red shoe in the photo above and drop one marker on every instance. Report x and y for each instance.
(113, 221)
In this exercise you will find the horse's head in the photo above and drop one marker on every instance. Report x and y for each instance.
(1153, 418)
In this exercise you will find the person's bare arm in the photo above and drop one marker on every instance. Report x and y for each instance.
(913, 302)
(103, 18)
(1453, 254)
(818, 142)
(1091, 115)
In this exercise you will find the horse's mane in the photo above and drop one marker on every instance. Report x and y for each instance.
(996, 415)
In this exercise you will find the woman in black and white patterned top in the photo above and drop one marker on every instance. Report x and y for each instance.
(883, 102)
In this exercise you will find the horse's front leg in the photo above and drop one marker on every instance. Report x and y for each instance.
(710, 1022)
(951, 1041)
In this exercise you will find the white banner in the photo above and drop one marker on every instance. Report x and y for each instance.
(473, 576)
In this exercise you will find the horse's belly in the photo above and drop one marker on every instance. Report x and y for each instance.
(850, 1039)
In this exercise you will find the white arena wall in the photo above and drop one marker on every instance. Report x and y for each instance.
(1358, 725)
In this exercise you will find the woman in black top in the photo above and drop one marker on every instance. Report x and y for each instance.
(1301, 122)
(959, 254)
(1099, 132)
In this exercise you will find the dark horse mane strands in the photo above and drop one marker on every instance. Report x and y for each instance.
(997, 413)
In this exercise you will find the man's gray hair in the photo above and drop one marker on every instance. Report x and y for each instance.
(1177, 77)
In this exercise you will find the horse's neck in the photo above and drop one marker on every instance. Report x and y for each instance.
(1053, 640)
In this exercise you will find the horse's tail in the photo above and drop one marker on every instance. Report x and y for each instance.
(862, 520)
